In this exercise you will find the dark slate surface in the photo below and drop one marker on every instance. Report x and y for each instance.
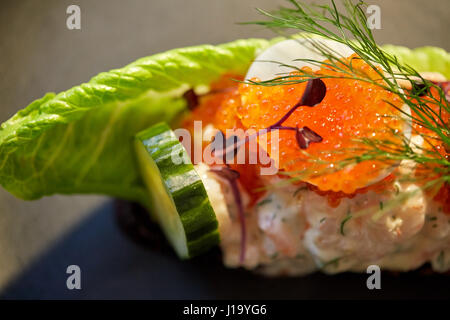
(39, 240)
(116, 266)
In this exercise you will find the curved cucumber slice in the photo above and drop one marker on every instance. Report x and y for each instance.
(179, 199)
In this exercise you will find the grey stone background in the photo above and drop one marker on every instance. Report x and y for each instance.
(38, 54)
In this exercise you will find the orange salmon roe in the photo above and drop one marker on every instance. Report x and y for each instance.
(334, 198)
(351, 109)
(434, 147)
(218, 107)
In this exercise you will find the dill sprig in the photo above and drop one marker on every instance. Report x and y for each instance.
(349, 27)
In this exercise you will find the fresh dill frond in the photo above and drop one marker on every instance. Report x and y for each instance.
(427, 102)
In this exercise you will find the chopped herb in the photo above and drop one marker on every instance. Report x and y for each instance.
(265, 201)
(323, 219)
(397, 189)
(344, 222)
(381, 205)
(300, 189)
(334, 262)
(394, 217)
(440, 259)
(432, 218)
(283, 219)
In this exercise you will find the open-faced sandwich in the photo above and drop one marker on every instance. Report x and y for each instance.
(320, 151)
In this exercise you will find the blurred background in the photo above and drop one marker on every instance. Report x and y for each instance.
(39, 54)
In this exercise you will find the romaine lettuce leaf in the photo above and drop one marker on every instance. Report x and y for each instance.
(79, 141)
(422, 59)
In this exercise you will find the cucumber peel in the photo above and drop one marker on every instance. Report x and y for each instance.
(178, 197)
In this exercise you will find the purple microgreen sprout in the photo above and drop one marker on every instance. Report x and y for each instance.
(305, 136)
(314, 93)
(193, 99)
(231, 144)
(232, 177)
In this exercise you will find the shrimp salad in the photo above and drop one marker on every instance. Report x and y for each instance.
(336, 221)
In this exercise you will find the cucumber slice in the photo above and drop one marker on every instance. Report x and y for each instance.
(179, 199)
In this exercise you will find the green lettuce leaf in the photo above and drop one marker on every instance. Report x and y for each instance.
(79, 141)
(422, 59)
